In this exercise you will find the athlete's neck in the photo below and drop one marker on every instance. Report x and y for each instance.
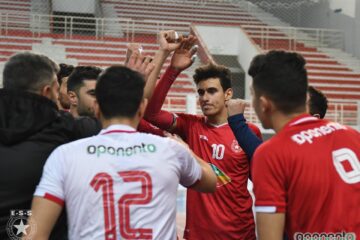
(279, 119)
(218, 119)
(124, 121)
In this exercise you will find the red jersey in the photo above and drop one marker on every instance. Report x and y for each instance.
(227, 213)
(311, 172)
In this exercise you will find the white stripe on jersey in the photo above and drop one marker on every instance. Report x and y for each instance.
(264, 209)
(305, 119)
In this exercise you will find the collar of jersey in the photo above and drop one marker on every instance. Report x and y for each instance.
(214, 125)
(301, 119)
(118, 128)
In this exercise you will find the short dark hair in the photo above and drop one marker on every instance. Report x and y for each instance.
(282, 77)
(318, 102)
(119, 92)
(65, 71)
(212, 70)
(28, 72)
(80, 74)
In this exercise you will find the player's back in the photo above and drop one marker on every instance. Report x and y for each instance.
(124, 184)
(322, 176)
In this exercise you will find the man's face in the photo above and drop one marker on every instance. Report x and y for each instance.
(86, 98)
(63, 96)
(212, 97)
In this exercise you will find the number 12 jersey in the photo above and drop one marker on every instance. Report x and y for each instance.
(120, 184)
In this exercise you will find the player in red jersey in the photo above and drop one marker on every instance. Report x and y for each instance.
(307, 177)
(226, 214)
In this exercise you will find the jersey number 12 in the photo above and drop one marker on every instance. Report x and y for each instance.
(105, 182)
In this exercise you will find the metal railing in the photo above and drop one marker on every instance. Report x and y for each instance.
(290, 37)
(39, 24)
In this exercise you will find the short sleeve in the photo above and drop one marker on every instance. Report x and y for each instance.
(183, 123)
(269, 180)
(51, 185)
(190, 169)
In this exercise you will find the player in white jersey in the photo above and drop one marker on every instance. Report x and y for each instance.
(120, 184)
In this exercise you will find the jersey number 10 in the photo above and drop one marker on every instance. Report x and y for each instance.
(218, 151)
(105, 182)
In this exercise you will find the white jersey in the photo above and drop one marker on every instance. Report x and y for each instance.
(120, 184)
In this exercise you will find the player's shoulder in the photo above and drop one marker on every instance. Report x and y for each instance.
(271, 147)
(148, 137)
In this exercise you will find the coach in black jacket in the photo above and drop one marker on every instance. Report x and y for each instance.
(31, 127)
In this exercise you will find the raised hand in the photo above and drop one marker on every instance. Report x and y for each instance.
(132, 48)
(141, 64)
(183, 56)
(169, 40)
(235, 106)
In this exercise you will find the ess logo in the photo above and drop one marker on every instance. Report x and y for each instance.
(18, 225)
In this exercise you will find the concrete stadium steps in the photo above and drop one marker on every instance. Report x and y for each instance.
(335, 95)
(343, 85)
(12, 45)
(337, 81)
(181, 12)
(331, 81)
(168, 5)
(23, 6)
(187, 11)
(129, 8)
(328, 68)
(16, 14)
(339, 75)
(325, 72)
(283, 44)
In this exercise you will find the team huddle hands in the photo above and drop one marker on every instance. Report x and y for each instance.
(183, 47)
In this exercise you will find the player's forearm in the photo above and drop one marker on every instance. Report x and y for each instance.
(158, 61)
(39, 235)
(161, 90)
(153, 113)
(45, 214)
(270, 226)
(208, 178)
(146, 127)
(246, 138)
